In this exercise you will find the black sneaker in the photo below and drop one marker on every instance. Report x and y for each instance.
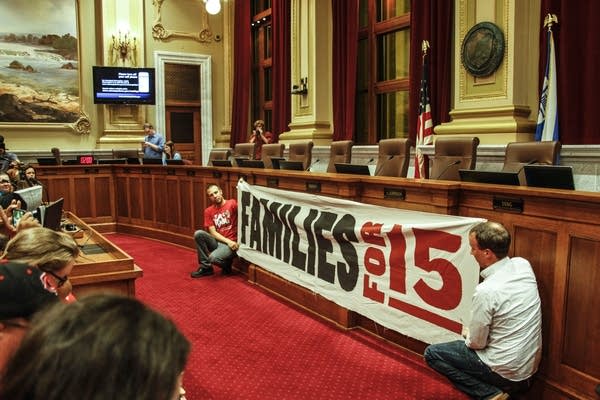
(202, 272)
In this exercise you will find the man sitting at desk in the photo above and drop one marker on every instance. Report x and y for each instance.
(219, 244)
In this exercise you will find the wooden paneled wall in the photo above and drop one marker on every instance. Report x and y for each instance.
(558, 231)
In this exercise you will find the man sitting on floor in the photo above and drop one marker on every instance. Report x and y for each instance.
(219, 244)
(502, 346)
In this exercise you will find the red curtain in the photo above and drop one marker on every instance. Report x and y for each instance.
(431, 20)
(577, 65)
(242, 69)
(281, 68)
(345, 39)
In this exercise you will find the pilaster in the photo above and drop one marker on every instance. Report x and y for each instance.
(501, 107)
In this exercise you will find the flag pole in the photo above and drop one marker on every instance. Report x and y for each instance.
(547, 124)
(424, 122)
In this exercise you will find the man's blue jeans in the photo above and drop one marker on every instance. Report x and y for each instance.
(211, 251)
(467, 372)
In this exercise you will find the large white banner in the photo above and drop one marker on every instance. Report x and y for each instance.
(409, 271)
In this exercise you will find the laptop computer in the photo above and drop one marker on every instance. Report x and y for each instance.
(174, 162)
(50, 215)
(47, 161)
(550, 176)
(356, 169)
(31, 197)
(275, 161)
(291, 165)
(154, 161)
(221, 163)
(253, 164)
(493, 177)
(112, 161)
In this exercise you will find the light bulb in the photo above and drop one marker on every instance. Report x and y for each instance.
(213, 6)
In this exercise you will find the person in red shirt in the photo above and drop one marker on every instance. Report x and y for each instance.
(260, 136)
(218, 243)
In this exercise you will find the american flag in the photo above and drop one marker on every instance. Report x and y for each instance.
(424, 123)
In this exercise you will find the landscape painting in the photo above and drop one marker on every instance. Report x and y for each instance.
(39, 69)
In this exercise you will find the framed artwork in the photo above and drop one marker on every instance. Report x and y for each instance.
(39, 63)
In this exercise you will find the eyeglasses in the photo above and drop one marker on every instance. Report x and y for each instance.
(4, 181)
(60, 281)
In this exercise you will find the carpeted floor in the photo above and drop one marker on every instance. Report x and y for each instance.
(248, 345)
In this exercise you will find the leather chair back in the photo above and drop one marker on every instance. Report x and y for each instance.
(519, 154)
(271, 150)
(218, 154)
(244, 150)
(452, 154)
(126, 153)
(339, 152)
(301, 152)
(394, 157)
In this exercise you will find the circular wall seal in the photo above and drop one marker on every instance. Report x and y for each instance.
(482, 49)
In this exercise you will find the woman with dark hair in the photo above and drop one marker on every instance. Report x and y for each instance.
(103, 346)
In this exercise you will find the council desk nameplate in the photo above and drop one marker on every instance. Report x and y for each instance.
(509, 204)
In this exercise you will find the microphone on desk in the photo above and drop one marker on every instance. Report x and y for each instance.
(370, 161)
(383, 164)
(446, 169)
(311, 165)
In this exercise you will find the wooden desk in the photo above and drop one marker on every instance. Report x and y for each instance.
(101, 265)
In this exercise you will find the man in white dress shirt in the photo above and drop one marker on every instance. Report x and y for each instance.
(503, 340)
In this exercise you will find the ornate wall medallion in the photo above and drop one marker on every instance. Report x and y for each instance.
(483, 49)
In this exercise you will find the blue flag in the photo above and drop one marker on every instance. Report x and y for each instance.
(547, 122)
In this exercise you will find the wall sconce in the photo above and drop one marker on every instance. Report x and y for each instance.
(302, 88)
(212, 6)
(124, 47)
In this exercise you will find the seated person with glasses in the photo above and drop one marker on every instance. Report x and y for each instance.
(6, 190)
(52, 252)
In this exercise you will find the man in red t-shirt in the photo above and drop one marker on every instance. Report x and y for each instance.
(218, 244)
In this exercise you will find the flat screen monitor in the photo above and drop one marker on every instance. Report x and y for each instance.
(240, 160)
(275, 161)
(175, 162)
(357, 169)
(86, 159)
(493, 177)
(155, 161)
(123, 85)
(47, 161)
(71, 162)
(253, 164)
(133, 160)
(113, 161)
(31, 197)
(550, 176)
(291, 165)
(221, 163)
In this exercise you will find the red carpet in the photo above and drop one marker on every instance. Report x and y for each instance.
(247, 345)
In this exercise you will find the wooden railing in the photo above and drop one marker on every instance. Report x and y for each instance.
(558, 231)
